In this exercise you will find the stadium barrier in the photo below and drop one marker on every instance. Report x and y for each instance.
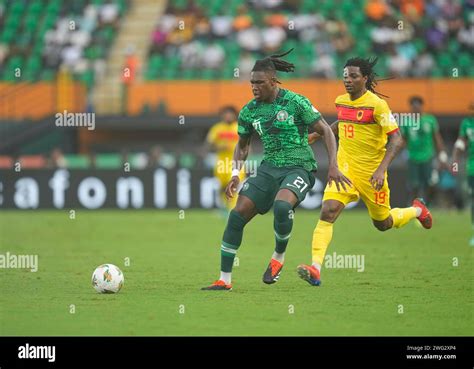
(443, 97)
(154, 188)
(43, 99)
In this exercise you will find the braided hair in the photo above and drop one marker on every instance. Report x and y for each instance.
(273, 63)
(366, 67)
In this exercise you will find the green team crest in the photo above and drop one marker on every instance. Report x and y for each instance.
(282, 115)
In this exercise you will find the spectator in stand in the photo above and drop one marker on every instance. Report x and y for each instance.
(109, 14)
(398, 65)
(341, 39)
(413, 10)
(183, 31)
(250, 39)
(302, 23)
(276, 20)
(465, 35)
(158, 38)
(88, 22)
(436, 36)
(272, 39)
(242, 20)
(383, 35)
(70, 55)
(376, 10)
(190, 54)
(267, 4)
(221, 26)
(202, 29)
(423, 65)
(2, 14)
(213, 56)
(130, 70)
(451, 12)
(246, 63)
(3, 53)
(323, 67)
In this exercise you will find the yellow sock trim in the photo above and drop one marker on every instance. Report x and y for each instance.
(402, 216)
(322, 236)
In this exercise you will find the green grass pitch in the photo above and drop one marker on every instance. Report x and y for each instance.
(410, 286)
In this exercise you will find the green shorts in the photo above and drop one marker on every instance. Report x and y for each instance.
(264, 186)
(419, 174)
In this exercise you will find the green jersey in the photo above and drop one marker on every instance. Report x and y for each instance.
(419, 137)
(283, 128)
(467, 132)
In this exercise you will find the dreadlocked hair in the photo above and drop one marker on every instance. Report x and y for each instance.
(366, 67)
(273, 63)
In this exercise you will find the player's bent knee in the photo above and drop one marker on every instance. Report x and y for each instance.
(382, 226)
(331, 210)
(236, 220)
(282, 210)
(245, 207)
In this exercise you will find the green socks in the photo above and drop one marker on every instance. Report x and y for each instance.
(282, 224)
(231, 240)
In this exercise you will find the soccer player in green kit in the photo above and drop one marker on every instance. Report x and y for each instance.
(466, 141)
(422, 140)
(281, 118)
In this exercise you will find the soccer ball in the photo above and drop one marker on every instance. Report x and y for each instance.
(107, 278)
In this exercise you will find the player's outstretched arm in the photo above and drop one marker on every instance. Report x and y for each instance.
(394, 145)
(241, 152)
(323, 129)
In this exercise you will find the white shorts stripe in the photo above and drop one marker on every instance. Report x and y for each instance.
(226, 249)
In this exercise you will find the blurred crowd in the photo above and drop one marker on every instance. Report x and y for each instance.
(43, 36)
(409, 34)
(65, 46)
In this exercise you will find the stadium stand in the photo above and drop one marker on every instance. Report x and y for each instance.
(202, 42)
(412, 38)
(41, 36)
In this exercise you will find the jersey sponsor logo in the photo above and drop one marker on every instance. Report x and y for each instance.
(257, 126)
(360, 114)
